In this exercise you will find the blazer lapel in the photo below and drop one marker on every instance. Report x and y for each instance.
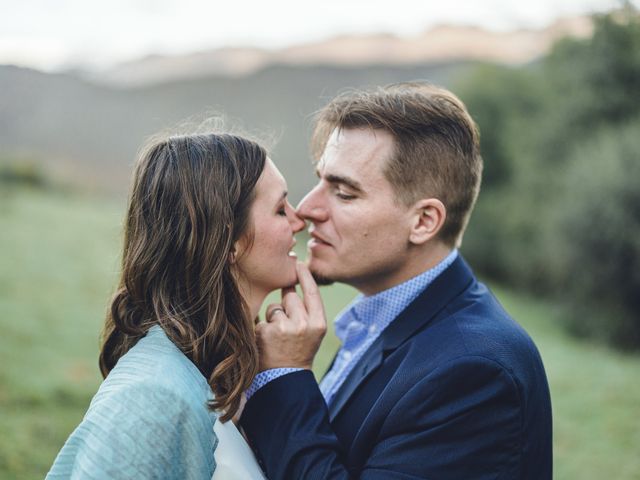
(335, 355)
(367, 364)
(449, 284)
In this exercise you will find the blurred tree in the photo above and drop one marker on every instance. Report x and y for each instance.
(593, 82)
(504, 102)
(545, 128)
(597, 230)
(501, 100)
(22, 172)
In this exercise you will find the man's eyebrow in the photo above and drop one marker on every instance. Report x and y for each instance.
(349, 182)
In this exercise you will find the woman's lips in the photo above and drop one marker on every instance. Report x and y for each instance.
(291, 252)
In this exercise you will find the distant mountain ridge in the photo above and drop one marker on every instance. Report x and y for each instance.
(88, 134)
(88, 130)
(442, 43)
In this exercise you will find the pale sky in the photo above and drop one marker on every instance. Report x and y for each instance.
(56, 34)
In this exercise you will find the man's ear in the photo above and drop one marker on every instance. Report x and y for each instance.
(427, 220)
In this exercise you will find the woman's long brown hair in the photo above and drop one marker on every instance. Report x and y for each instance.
(190, 202)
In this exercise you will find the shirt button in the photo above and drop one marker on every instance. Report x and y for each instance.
(373, 329)
(347, 356)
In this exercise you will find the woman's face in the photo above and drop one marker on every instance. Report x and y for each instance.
(269, 262)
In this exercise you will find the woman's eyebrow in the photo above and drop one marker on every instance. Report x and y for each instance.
(283, 196)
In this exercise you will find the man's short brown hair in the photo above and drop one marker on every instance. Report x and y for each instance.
(436, 144)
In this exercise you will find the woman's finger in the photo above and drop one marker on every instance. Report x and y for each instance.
(273, 310)
(293, 305)
(310, 290)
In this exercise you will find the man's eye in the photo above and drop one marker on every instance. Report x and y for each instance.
(344, 196)
(282, 212)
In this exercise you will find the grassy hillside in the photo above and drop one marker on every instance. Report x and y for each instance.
(58, 266)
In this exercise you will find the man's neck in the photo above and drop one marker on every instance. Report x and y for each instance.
(417, 263)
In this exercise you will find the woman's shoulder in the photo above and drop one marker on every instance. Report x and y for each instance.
(141, 430)
(151, 405)
(156, 371)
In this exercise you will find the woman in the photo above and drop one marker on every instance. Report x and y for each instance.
(208, 235)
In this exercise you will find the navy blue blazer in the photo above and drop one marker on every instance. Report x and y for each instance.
(452, 389)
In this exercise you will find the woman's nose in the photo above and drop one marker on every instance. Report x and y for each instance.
(297, 223)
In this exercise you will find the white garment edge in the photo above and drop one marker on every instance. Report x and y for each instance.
(234, 458)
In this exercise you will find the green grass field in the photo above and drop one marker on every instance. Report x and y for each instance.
(58, 267)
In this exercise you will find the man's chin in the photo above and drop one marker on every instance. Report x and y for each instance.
(321, 279)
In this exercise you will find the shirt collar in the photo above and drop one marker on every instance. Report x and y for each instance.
(380, 309)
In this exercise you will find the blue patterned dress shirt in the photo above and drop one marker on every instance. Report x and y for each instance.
(359, 325)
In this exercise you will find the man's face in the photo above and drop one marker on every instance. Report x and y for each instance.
(359, 230)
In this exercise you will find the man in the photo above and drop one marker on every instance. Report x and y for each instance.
(433, 379)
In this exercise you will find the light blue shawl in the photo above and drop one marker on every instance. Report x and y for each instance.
(148, 420)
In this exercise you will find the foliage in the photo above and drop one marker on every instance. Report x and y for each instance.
(22, 173)
(560, 155)
(503, 122)
(598, 228)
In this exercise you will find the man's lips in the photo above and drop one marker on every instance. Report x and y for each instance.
(318, 239)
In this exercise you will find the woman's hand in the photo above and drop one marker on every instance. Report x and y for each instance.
(293, 330)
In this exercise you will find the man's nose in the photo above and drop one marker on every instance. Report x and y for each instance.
(312, 207)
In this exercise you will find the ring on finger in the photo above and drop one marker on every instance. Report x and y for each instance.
(274, 310)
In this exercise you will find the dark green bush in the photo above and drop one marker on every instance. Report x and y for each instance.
(22, 173)
(558, 212)
(596, 227)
